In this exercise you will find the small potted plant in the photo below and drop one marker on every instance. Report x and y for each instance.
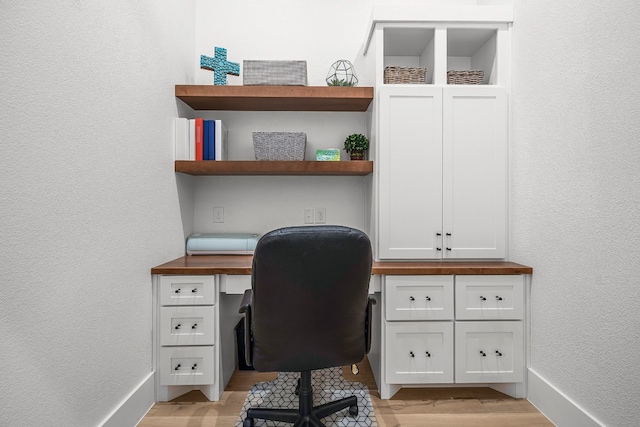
(355, 145)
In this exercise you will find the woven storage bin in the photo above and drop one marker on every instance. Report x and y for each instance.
(466, 77)
(405, 75)
(274, 73)
(279, 145)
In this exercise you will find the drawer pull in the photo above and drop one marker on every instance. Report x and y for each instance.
(438, 249)
(412, 299)
(498, 298)
(448, 249)
(482, 298)
(483, 354)
(428, 354)
(428, 298)
(177, 291)
(411, 354)
(178, 326)
(194, 367)
(195, 326)
(177, 368)
(194, 290)
(498, 353)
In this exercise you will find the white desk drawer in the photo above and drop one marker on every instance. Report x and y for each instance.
(235, 284)
(489, 297)
(187, 290)
(419, 297)
(419, 352)
(187, 325)
(489, 352)
(186, 365)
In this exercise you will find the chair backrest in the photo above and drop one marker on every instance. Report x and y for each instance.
(310, 294)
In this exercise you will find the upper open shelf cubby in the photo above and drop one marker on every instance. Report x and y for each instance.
(410, 47)
(472, 49)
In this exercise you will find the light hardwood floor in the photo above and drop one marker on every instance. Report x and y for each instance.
(437, 407)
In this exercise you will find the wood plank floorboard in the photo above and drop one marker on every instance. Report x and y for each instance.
(410, 407)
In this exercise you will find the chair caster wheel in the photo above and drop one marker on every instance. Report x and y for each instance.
(353, 410)
(248, 422)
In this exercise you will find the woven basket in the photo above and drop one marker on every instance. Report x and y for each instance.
(465, 77)
(405, 75)
(279, 145)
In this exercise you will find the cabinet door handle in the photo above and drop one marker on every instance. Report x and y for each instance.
(177, 368)
(428, 354)
(428, 298)
(448, 249)
(498, 298)
(195, 326)
(178, 326)
(482, 298)
(449, 234)
(411, 354)
(438, 249)
(177, 291)
(498, 353)
(483, 354)
(412, 299)
(194, 367)
(194, 290)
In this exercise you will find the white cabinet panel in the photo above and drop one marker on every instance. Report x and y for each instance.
(187, 290)
(187, 325)
(475, 172)
(489, 352)
(419, 297)
(186, 365)
(489, 297)
(419, 352)
(410, 165)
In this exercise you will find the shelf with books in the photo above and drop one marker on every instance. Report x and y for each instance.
(255, 167)
(275, 98)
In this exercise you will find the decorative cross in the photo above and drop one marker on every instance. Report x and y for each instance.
(220, 66)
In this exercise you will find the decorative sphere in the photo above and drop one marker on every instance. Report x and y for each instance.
(342, 73)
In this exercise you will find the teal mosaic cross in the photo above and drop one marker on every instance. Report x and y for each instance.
(220, 66)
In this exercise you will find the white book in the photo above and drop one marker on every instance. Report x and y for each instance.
(181, 139)
(221, 141)
(192, 139)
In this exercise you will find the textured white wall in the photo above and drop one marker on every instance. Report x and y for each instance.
(88, 198)
(576, 196)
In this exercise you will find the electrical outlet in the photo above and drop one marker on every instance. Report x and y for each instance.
(218, 215)
(321, 215)
(308, 216)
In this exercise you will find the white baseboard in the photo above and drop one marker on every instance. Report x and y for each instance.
(555, 405)
(133, 408)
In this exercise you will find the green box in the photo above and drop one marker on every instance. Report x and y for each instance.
(328, 155)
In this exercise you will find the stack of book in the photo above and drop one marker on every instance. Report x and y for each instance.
(200, 139)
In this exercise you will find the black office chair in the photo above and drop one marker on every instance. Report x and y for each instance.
(308, 309)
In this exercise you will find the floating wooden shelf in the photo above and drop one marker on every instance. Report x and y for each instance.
(275, 98)
(254, 167)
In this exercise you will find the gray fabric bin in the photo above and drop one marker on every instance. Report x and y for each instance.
(274, 73)
(279, 145)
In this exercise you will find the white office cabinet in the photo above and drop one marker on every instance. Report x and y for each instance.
(186, 340)
(410, 170)
(445, 329)
(419, 352)
(489, 352)
(442, 172)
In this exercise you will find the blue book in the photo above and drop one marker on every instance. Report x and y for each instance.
(209, 140)
(205, 139)
(212, 147)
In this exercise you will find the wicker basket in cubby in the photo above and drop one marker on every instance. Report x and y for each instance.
(465, 77)
(405, 75)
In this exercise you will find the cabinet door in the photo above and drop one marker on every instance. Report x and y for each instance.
(410, 165)
(474, 172)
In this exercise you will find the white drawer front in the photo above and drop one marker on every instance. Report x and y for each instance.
(187, 290)
(419, 297)
(235, 284)
(186, 365)
(489, 352)
(187, 325)
(419, 352)
(489, 297)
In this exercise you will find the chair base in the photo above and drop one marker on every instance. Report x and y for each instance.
(306, 415)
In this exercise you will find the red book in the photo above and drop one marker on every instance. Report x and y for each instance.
(199, 138)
